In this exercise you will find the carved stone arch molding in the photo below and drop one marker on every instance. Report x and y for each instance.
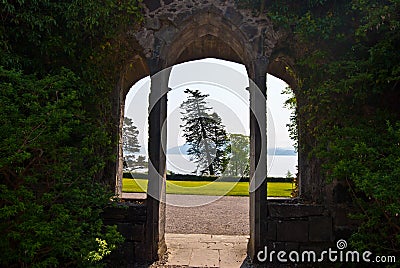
(207, 35)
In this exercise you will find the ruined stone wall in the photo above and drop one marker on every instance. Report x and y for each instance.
(130, 219)
(294, 226)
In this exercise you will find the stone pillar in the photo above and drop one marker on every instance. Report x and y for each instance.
(121, 113)
(258, 155)
(155, 239)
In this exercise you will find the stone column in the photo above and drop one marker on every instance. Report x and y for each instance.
(120, 157)
(258, 155)
(155, 239)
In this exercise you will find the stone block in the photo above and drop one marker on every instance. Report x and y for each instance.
(292, 231)
(232, 258)
(249, 30)
(123, 256)
(179, 257)
(320, 228)
(233, 15)
(181, 16)
(138, 231)
(276, 210)
(137, 213)
(126, 230)
(152, 4)
(153, 24)
(140, 252)
(270, 230)
(132, 232)
(114, 213)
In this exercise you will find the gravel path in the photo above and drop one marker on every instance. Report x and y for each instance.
(195, 214)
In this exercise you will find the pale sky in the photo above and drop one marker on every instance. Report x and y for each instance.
(226, 84)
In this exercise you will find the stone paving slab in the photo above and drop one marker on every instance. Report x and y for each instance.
(204, 258)
(232, 258)
(205, 250)
(179, 256)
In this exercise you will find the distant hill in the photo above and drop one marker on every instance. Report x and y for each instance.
(183, 149)
(277, 151)
(282, 151)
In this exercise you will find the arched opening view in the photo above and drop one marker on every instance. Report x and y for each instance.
(282, 144)
(207, 150)
(207, 153)
(135, 140)
(231, 106)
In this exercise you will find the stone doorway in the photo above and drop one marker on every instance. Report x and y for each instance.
(179, 31)
(176, 31)
(156, 196)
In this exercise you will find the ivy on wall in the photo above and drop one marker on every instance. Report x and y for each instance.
(348, 69)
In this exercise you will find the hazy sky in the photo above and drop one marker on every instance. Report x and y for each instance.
(226, 84)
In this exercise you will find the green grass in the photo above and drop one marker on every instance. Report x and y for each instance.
(281, 189)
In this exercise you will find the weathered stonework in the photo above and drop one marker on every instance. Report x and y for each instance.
(176, 31)
(177, 25)
(130, 219)
(291, 225)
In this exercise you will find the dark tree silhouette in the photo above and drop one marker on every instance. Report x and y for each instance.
(205, 134)
(130, 141)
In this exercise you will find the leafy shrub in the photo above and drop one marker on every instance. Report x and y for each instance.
(346, 67)
(59, 61)
(50, 205)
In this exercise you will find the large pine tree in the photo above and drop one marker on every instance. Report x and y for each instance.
(130, 134)
(205, 134)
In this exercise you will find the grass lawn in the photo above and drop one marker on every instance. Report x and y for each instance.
(281, 189)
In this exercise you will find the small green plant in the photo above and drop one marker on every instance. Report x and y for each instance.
(103, 250)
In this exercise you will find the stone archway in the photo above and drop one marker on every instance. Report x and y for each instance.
(177, 31)
(207, 30)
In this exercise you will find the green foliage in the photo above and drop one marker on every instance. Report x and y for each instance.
(59, 60)
(50, 204)
(239, 161)
(367, 156)
(103, 250)
(347, 69)
(42, 35)
(291, 104)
